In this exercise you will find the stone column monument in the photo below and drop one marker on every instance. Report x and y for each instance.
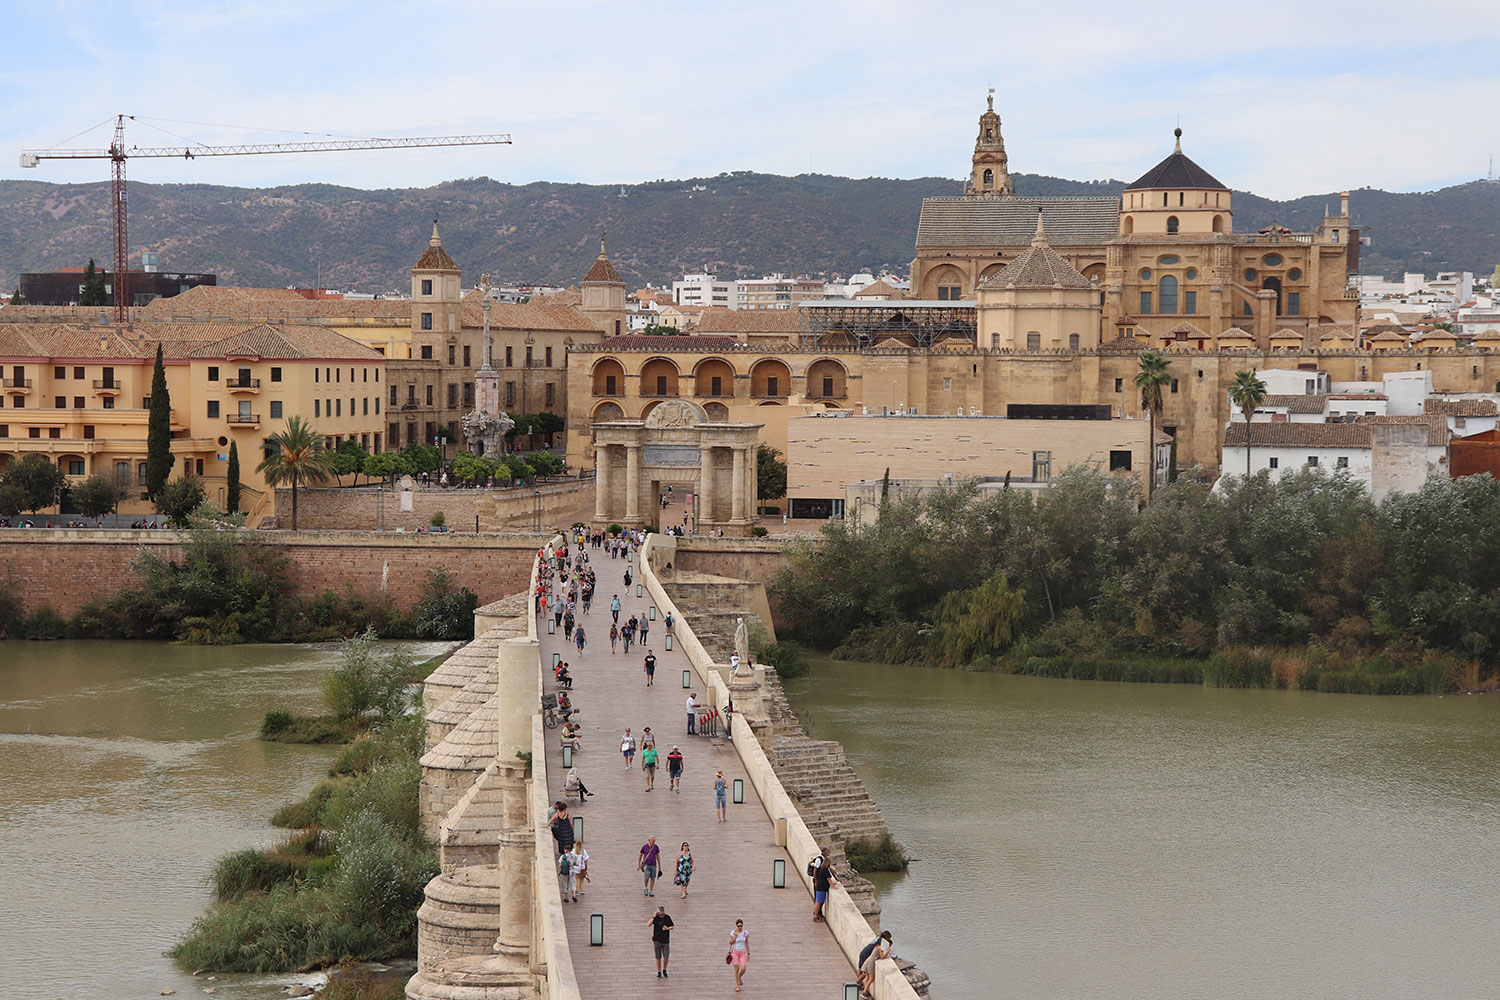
(745, 689)
(486, 424)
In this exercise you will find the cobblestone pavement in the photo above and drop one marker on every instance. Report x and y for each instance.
(790, 956)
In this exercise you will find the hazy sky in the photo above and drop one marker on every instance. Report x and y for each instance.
(1278, 98)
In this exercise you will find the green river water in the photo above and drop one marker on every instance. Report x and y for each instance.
(126, 769)
(1126, 842)
(1076, 839)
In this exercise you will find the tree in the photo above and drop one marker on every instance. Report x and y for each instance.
(299, 457)
(95, 496)
(92, 293)
(655, 330)
(1149, 380)
(770, 473)
(984, 621)
(15, 298)
(232, 494)
(470, 468)
(349, 459)
(384, 465)
(366, 682)
(421, 457)
(38, 481)
(180, 498)
(158, 431)
(1247, 392)
(544, 463)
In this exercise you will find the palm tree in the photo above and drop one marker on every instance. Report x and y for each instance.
(1247, 392)
(300, 457)
(1149, 380)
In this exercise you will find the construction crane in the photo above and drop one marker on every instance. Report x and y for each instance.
(117, 154)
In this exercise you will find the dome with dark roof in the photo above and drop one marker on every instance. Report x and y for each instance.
(1177, 171)
(1040, 266)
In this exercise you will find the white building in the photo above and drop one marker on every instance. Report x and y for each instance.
(704, 291)
(1386, 454)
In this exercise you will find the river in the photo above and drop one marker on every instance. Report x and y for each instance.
(126, 769)
(1110, 841)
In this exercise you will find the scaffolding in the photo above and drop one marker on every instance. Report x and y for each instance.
(921, 323)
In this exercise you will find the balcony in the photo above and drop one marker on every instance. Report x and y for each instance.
(710, 394)
(658, 395)
(244, 419)
(21, 386)
(411, 404)
(242, 384)
(109, 386)
(601, 392)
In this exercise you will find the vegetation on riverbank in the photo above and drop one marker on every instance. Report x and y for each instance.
(346, 882)
(232, 587)
(1302, 583)
(867, 854)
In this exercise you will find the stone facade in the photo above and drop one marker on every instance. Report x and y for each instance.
(368, 508)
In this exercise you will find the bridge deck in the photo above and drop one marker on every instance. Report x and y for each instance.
(790, 956)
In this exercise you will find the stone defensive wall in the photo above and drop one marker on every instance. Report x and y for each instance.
(393, 509)
(66, 569)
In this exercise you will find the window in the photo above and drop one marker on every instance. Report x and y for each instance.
(1272, 260)
(828, 385)
(411, 395)
(1168, 289)
(78, 372)
(1312, 460)
(989, 177)
(427, 321)
(1119, 461)
(548, 361)
(426, 286)
(1295, 274)
(275, 409)
(1174, 385)
(429, 395)
(1275, 462)
(60, 372)
(947, 385)
(1041, 466)
(54, 432)
(549, 393)
(609, 386)
(88, 432)
(468, 393)
(949, 293)
(510, 394)
(75, 468)
(1248, 311)
(275, 374)
(377, 406)
(451, 350)
(140, 474)
(338, 375)
(1335, 236)
(1119, 385)
(1342, 462)
(1190, 303)
(1073, 341)
(60, 403)
(1294, 303)
(772, 384)
(35, 432)
(1167, 261)
(452, 393)
(1191, 274)
(4, 430)
(364, 407)
(426, 352)
(528, 357)
(1249, 274)
(213, 373)
(661, 384)
(467, 362)
(109, 402)
(1171, 224)
(1145, 303)
(338, 407)
(395, 436)
(716, 386)
(1145, 274)
(213, 409)
(364, 374)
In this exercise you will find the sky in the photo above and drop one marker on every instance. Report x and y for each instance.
(1282, 99)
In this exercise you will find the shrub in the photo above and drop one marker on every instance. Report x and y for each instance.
(442, 612)
(247, 871)
(364, 682)
(276, 721)
(438, 519)
(759, 531)
(867, 854)
(614, 529)
(787, 657)
(308, 812)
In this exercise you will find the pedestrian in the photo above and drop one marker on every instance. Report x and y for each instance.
(669, 621)
(823, 881)
(868, 956)
(582, 868)
(568, 625)
(614, 607)
(684, 868)
(692, 712)
(614, 638)
(648, 765)
(567, 878)
(627, 748)
(721, 796)
(648, 738)
(739, 952)
(562, 826)
(661, 940)
(579, 637)
(625, 634)
(557, 611)
(647, 865)
(674, 769)
(645, 629)
(650, 667)
(627, 576)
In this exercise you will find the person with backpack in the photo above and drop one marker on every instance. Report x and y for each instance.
(567, 877)
(868, 956)
(823, 882)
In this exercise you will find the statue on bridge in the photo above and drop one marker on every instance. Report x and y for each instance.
(742, 666)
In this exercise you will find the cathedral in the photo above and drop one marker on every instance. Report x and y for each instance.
(1168, 266)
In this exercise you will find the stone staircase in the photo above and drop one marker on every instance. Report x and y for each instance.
(819, 777)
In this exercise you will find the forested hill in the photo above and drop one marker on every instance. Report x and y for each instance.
(738, 225)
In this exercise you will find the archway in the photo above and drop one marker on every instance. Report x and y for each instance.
(826, 380)
(609, 378)
(1218, 223)
(1274, 285)
(714, 377)
(770, 378)
(945, 283)
(658, 378)
(1127, 225)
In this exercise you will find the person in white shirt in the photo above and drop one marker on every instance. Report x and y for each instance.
(692, 713)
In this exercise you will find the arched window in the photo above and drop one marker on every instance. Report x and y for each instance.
(1171, 223)
(1128, 226)
(1167, 295)
(1073, 341)
(989, 177)
(1218, 223)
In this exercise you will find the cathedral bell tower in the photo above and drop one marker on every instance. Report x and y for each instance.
(990, 176)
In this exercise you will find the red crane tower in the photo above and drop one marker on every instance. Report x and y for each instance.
(117, 154)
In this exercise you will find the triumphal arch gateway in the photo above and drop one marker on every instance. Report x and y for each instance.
(676, 443)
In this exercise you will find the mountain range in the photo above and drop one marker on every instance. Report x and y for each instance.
(740, 224)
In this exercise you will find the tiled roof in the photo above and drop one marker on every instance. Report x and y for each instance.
(1437, 425)
(260, 303)
(750, 321)
(267, 341)
(1235, 333)
(1461, 407)
(1038, 267)
(1296, 403)
(877, 289)
(180, 341)
(1010, 222)
(1290, 435)
(1488, 335)
(1387, 337)
(603, 270)
(672, 344)
(527, 316)
(435, 258)
(1176, 171)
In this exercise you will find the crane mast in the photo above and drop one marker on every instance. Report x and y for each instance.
(117, 154)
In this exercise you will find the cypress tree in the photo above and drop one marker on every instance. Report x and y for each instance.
(93, 293)
(158, 431)
(232, 496)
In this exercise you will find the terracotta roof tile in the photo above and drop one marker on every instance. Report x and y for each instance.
(1461, 407)
(673, 344)
(527, 316)
(1291, 435)
(1011, 222)
(1437, 425)
(775, 322)
(1298, 403)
